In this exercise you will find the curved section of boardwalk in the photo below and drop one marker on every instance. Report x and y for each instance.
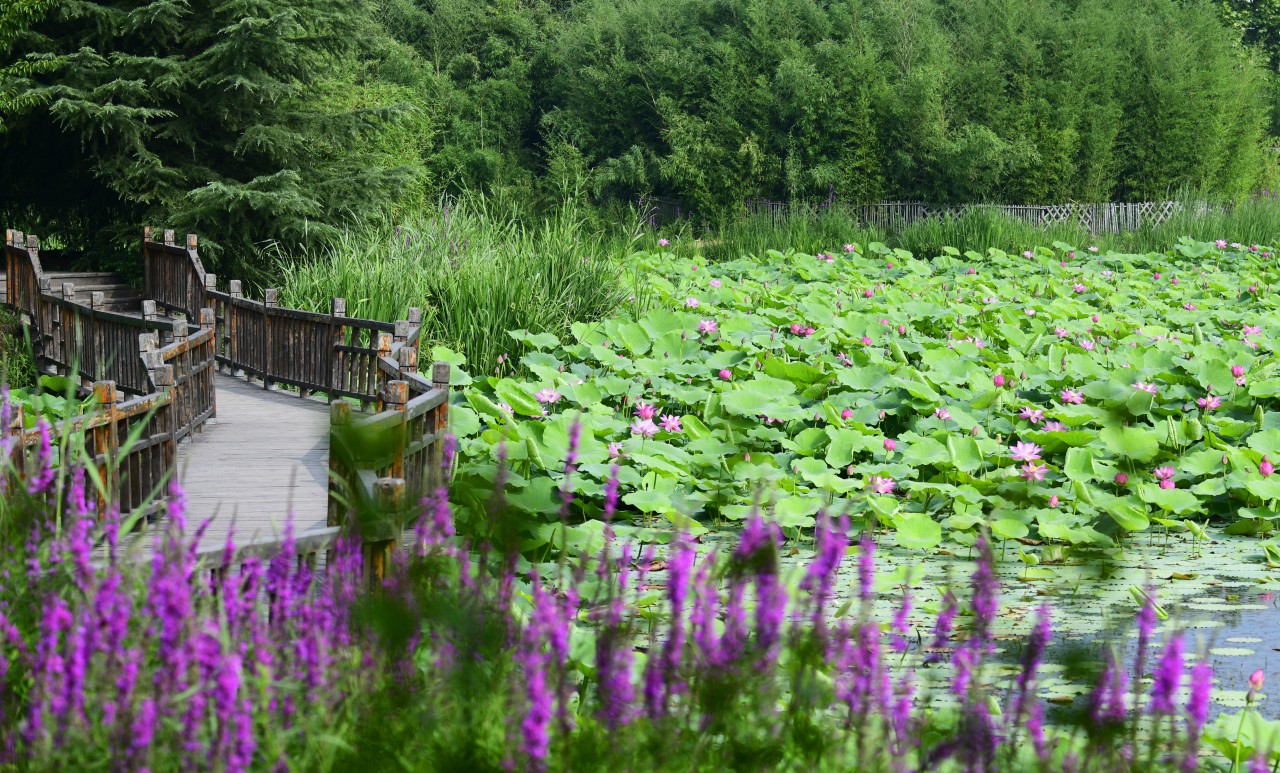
(266, 455)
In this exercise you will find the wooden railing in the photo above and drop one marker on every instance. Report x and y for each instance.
(371, 362)
(140, 369)
(329, 353)
(168, 366)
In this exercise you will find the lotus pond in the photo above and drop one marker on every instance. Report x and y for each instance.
(1110, 419)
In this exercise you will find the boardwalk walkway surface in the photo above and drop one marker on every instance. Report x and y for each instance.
(265, 456)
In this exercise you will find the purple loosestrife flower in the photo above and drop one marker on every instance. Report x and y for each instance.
(1107, 705)
(614, 655)
(942, 627)
(1197, 709)
(662, 677)
(1032, 656)
(899, 629)
(42, 477)
(1168, 676)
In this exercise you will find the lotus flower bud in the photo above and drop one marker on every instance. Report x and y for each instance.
(1121, 479)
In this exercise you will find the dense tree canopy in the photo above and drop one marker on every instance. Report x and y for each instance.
(276, 120)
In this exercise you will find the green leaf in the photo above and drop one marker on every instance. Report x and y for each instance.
(1131, 442)
(516, 395)
(916, 531)
(1007, 528)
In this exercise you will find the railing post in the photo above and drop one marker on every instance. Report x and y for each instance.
(339, 418)
(338, 360)
(270, 300)
(168, 238)
(388, 493)
(401, 333)
(149, 313)
(407, 357)
(231, 323)
(106, 439)
(68, 291)
(439, 425)
(382, 348)
(395, 396)
(209, 322)
(162, 378)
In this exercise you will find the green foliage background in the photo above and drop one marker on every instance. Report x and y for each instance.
(283, 121)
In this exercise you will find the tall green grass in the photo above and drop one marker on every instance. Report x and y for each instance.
(475, 272)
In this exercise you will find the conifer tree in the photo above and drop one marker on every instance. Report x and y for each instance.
(221, 117)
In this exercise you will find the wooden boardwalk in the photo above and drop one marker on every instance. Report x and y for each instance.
(264, 457)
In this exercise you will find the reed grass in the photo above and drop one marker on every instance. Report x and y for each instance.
(475, 272)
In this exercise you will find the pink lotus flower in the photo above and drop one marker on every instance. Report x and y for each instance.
(663, 242)
(879, 485)
(507, 409)
(1209, 402)
(942, 413)
(1157, 275)
(1055, 426)
(1061, 332)
(691, 302)
(1033, 415)
(644, 410)
(1077, 287)
(615, 450)
(890, 444)
(725, 374)
(1189, 306)
(1092, 248)
(1027, 253)
(809, 331)
(671, 424)
(1053, 501)
(1029, 312)
(1237, 371)
(1071, 396)
(1174, 280)
(1163, 473)
(644, 428)
(1145, 387)
(1094, 318)
(1221, 244)
(1266, 467)
(902, 330)
(1257, 679)
(1251, 330)
(847, 413)
(1024, 452)
(547, 396)
(998, 380)
(707, 326)
(978, 342)
(1071, 255)
(1033, 471)
(850, 248)
(972, 271)
(867, 293)
(1121, 479)
(1087, 345)
(866, 340)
